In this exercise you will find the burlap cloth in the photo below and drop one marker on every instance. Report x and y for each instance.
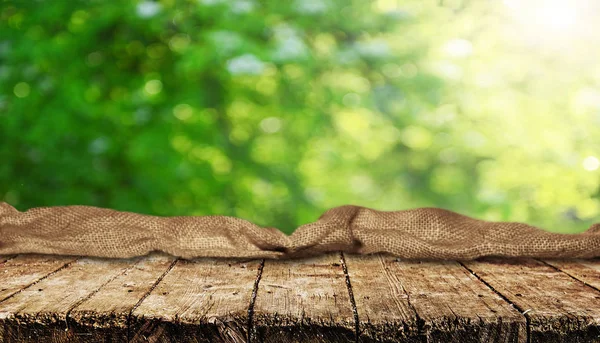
(424, 233)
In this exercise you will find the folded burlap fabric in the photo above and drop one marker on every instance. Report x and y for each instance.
(424, 233)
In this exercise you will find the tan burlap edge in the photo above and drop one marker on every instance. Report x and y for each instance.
(423, 233)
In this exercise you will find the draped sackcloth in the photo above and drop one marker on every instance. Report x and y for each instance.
(423, 233)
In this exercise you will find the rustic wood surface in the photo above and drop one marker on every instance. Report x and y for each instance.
(303, 300)
(330, 298)
(558, 307)
(201, 300)
(107, 312)
(449, 303)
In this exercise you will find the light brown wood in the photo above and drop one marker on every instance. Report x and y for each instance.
(588, 271)
(384, 309)
(105, 315)
(39, 312)
(558, 307)
(158, 298)
(303, 300)
(398, 300)
(202, 300)
(21, 271)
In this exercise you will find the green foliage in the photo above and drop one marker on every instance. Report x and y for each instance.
(274, 111)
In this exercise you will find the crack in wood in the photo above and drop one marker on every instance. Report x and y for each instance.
(351, 296)
(86, 298)
(41, 279)
(569, 274)
(251, 329)
(154, 285)
(524, 313)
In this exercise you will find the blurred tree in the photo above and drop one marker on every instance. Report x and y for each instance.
(275, 111)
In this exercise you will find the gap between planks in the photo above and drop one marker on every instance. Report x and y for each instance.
(91, 294)
(351, 297)
(251, 329)
(160, 278)
(524, 313)
(65, 265)
(68, 317)
(573, 276)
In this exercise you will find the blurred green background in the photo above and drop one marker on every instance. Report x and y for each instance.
(274, 111)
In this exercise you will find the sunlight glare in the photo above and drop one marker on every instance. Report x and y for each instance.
(549, 15)
(591, 163)
(558, 15)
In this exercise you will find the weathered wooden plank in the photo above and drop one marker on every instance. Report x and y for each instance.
(39, 312)
(206, 300)
(384, 310)
(450, 303)
(200, 300)
(18, 272)
(3, 259)
(104, 316)
(23, 270)
(558, 308)
(303, 300)
(588, 271)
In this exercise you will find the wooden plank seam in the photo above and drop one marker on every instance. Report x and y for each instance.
(523, 312)
(41, 279)
(251, 329)
(351, 296)
(160, 278)
(86, 298)
(569, 274)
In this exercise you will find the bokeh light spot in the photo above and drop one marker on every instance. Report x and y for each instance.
(183, 112)
(153, 87)
(246, 64)
(22, 89)
(591, 163)
(94, 59)
(148, 9)
(270, 125)
(391, 70)
(458, 48)
(416, 137)
(179, 42)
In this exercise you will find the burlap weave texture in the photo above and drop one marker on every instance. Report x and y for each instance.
(424, 233)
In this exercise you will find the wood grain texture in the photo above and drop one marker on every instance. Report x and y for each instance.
(104, 316)
(384, 310)
(21, 271)
(431, 301)
(587, 271)
(40, 311)
(200, 300)
(329, 298)
(303, 300)
(558, 307)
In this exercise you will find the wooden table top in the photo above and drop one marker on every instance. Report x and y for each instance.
(330, 298)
